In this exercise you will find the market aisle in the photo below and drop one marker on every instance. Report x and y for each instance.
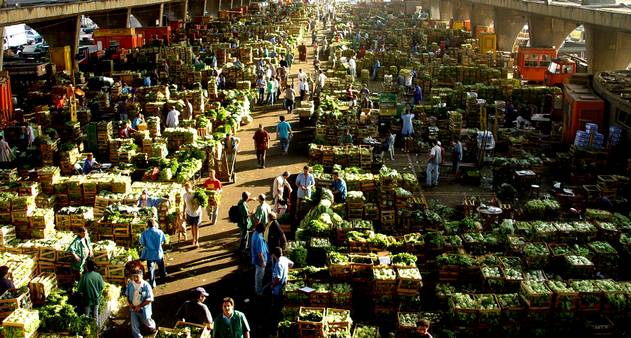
(215, 263)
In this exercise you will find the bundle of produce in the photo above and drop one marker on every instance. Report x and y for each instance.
(414, 242)
(407, 320)
(297, 253)
(464, 308)
(511, 305)
(311, 319)
(598, 215)
(536, 255)
(456, 260)
(409, 278)
(535, 275)
(585, 231)
(542, 208)
(565, 298)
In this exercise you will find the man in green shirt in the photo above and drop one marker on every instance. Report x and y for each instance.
(90, 287)
(245, 222)
(232, 323)
(81, 249)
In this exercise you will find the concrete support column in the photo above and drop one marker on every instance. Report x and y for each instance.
(547, 32)
(481, 15)
(225, 4)
(508, 24)
(149, 16)
(213, 7)
(434, 9)
(461, 10)
(176, 10)
(607, 49)
(196, 7)
(118, 18)
(446, 9)
(61, 32)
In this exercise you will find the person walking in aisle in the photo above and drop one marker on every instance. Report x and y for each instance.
(80, 249)
(456, 156)
(290, 96)
(214, 188)
(151, 241)
(139, 298)
(195, 311)
(278, 188)
(261, 143)
(388, 145)
(284, 133)
(90, 288)
(233, 323)
(193, 212)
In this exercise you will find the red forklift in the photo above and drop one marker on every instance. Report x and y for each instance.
(559, 70)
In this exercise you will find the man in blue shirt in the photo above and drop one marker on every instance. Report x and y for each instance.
(260, 256)
(89, 163)
(338, 187)
(283, 131)
(279, 279)
(151, 241)
(418, 94)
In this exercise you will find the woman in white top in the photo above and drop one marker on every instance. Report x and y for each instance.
(193, 212)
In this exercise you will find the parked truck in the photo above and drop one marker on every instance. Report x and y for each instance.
(15, 36)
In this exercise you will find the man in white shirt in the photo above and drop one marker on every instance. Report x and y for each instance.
(352, 66)
(301, 75)
(321, 80)
(173, 118)
(278, 187)
(433, 165)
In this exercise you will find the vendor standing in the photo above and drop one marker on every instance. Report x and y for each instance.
(5, 282)
(80, 249)
(338, 187)
(305, 181)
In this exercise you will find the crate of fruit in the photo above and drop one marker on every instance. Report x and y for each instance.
(339, 265)
(366, 331)
(489, 311)
(492, 276)
(406, 321)
(342, 295)
(589, 295)
(536, 255)
(385, 279)
(194, 330)
(14, 299)
(464, 308)
(512, 306)
(409, 279)
(536, 295)
(321, 294)
(21, 323)
(565, 298)
(361, 265)
(337, 322)
(614, 296)
(311, 321)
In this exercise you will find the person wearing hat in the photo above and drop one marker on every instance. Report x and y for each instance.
(139, 298)
(80, 249)
(245, 222)
(151, 241)
(194, 310)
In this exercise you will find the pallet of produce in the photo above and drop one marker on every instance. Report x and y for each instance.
(311, 321)
(589, 295)
(536, 294)
(339, 265)
(21, 323)
(489, 311)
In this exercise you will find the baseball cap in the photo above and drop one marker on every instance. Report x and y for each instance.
(201, 291)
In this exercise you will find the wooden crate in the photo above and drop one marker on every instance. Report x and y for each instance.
(309, 328)
(205, 331)
(536, 300)
(338, 327)
(41, 286)
(9, 305)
